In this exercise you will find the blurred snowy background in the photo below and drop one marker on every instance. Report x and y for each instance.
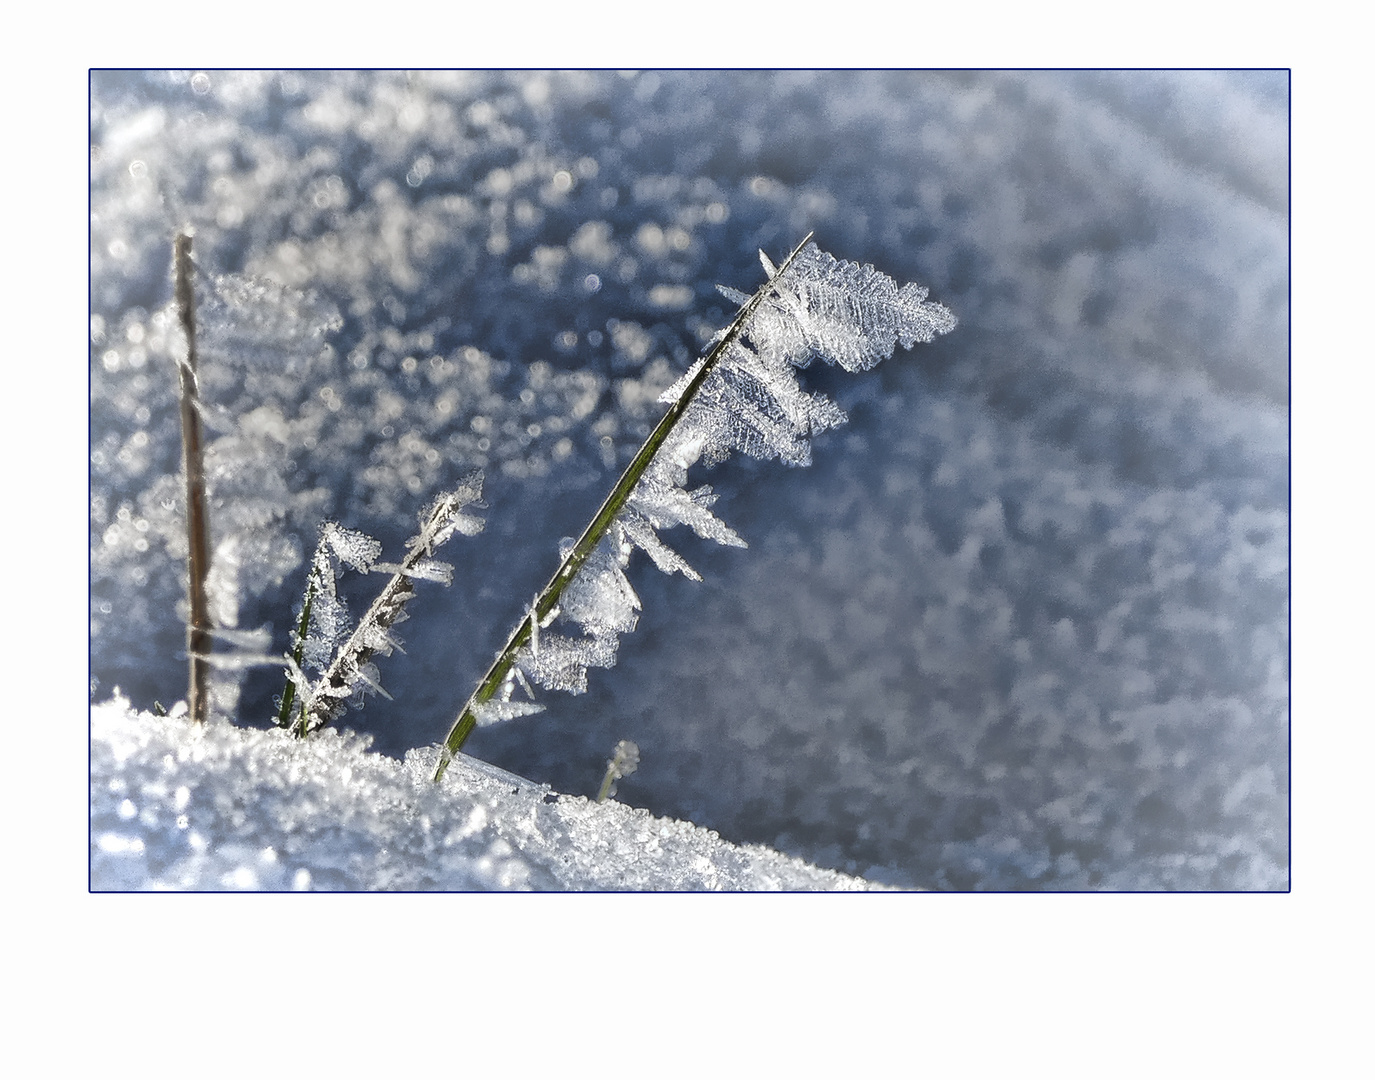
(1024, 622)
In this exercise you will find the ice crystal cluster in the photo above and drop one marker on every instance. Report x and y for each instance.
(749, 402)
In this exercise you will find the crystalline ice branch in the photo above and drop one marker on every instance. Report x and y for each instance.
(843, 313)
(743, 396)
(327, 643)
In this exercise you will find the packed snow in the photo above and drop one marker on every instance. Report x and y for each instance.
(210, 807)
(1021, 624)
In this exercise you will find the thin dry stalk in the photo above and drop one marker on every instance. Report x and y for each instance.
(197, 520)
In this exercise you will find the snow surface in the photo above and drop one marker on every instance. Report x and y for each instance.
(1023, 624)
(174, 806)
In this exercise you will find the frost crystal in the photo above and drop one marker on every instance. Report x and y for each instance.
(356, 549)
(492, 712)
(599, 597)
(844, 313)
(749, 401)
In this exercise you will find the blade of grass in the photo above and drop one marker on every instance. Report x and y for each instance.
(549, 597)
(197, 518)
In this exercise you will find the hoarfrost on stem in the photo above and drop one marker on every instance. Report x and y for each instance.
(744, 396)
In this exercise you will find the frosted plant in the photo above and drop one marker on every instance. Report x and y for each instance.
(743, 395)
(328, 644)
(624, 762)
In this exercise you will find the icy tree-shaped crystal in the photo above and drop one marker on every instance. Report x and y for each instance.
(742, 396)
(844, 313)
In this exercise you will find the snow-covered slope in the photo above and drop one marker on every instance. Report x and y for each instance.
(174, 806)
